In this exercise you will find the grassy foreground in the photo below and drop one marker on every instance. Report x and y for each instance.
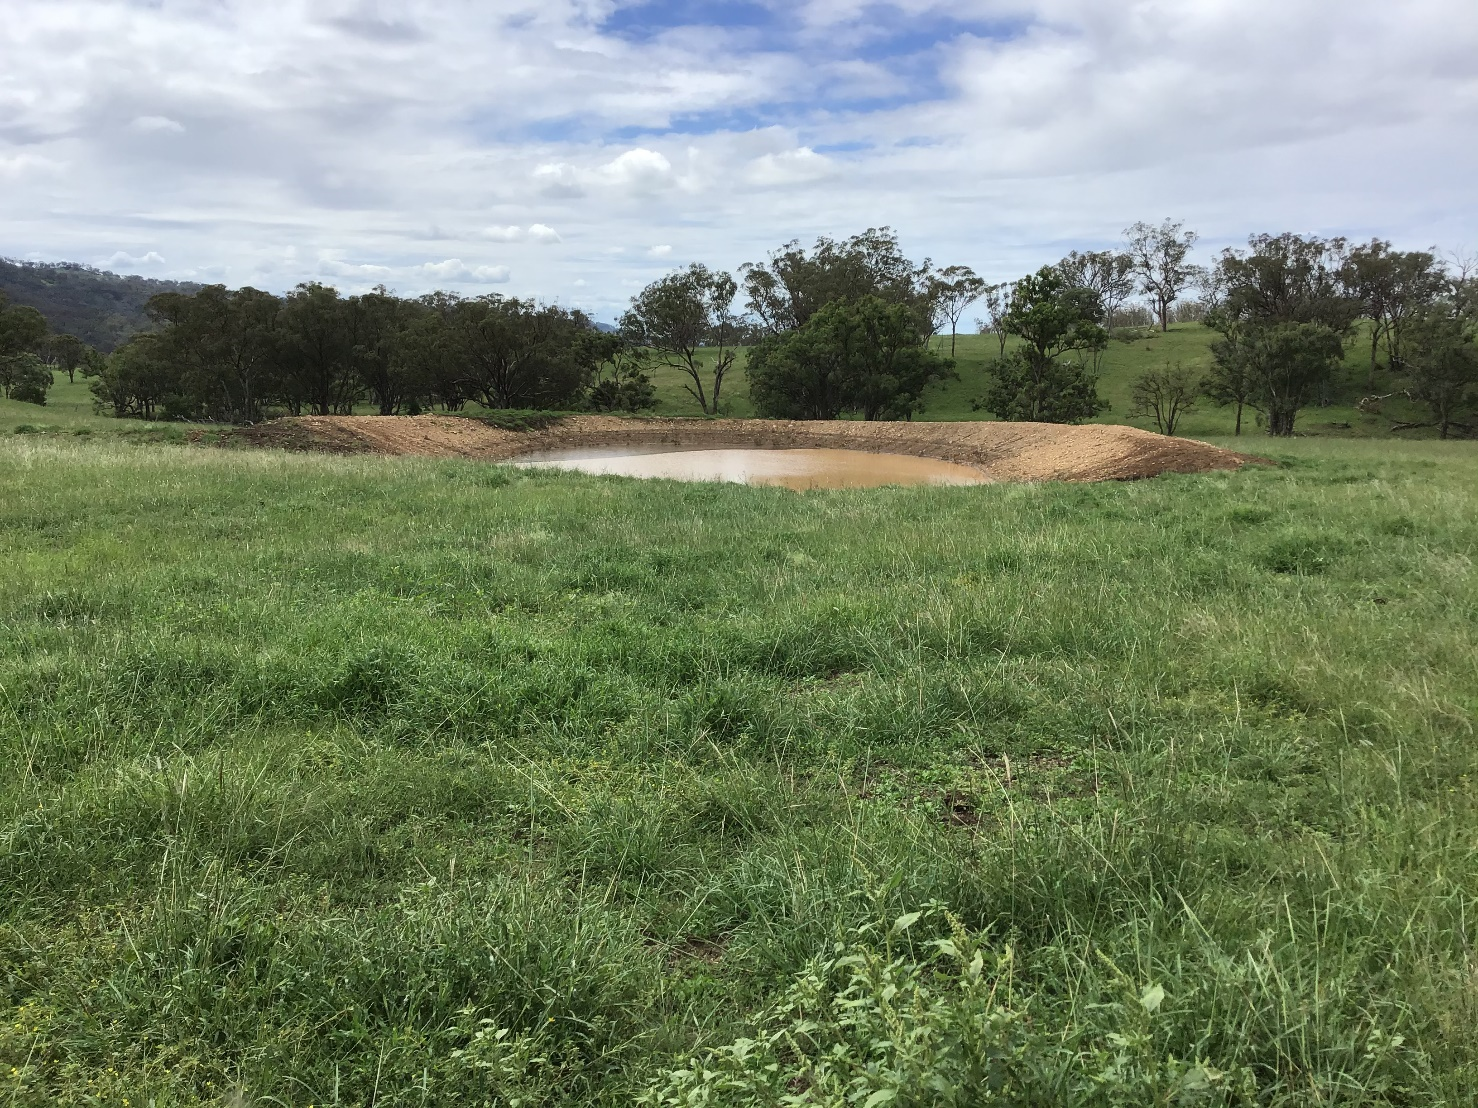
(406, 782)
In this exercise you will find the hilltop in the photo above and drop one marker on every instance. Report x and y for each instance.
(99, 307)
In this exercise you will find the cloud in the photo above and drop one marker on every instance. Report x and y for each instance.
(454, 270)
(558, 179)
(152, 124)
(663, 251)
(333, 267)
(790, 167)
(124, 259)
(265, 135)
(638, 170)
(536, 232)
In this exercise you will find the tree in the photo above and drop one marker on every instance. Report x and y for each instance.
(953, 289)
(1282, 365)
(997, 298)
(678, 316)
(864, 356)
(24, 377)
(67, 353)
(517, 353)
(1231, 380)
(1109, 274)
(315, 351)
(1159, 258)
(1393, 287)
(387, 369)
(1165, 395)
(1038, 382)
(1284, 309)
(1443, 369)
(22, 329)
(619, 380)
(134, 380)
(784, 292)
(221, 346)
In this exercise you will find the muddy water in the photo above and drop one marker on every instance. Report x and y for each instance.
(791, 468)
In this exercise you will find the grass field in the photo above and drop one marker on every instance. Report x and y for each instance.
(409, 782)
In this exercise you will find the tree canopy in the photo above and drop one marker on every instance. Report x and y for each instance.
(864, 356)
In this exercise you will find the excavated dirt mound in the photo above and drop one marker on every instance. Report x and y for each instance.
(1003, 451)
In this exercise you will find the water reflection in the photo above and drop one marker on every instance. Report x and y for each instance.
(791, 468)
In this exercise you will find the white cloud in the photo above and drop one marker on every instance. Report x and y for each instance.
(124, 259)
(536, 232)
(455, 271)
(639, 170)
(663, 251)
(332, 267)
(154, 123)
(790, 167)
(558, 179)
(264, 135)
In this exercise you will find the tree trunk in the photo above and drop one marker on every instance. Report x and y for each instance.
(951, 340)
(1280, 420)
(1238, 431)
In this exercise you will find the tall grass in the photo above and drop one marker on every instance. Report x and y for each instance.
(393, 781)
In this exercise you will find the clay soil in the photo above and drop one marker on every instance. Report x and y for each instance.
(1003, 451)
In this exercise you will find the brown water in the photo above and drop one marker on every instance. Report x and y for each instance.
(791, 468)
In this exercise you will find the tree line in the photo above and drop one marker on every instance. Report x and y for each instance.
(842, 328)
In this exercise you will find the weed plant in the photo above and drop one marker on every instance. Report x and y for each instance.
(352, 780)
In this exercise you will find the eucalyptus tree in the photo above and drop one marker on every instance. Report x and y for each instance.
(862, 355)
(221, 349)
(1108, 273)
(316, 339)
(1041, 380)
(519, 353)
(953, 289)
(67, 353)
(676, 317)
(794, 284)
(1442, 366)
(1160, 257)
(1394, 287)
(1284, 309)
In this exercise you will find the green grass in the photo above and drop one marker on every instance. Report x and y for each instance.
(359, 780)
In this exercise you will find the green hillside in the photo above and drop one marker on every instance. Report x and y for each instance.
(100, 308)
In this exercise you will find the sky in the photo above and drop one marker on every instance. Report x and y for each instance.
(574, 150)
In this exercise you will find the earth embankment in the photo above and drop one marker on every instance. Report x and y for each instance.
(1003, 451)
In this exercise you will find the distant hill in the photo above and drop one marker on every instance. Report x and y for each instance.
(98, 307)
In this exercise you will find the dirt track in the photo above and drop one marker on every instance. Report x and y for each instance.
(1003, 451)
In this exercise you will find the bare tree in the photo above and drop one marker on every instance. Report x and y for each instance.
(1165, 395)
(953, 289)
(1159, 255)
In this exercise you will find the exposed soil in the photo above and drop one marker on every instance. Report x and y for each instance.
(1003, 451)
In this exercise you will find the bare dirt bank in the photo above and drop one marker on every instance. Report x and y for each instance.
(1003, 451)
